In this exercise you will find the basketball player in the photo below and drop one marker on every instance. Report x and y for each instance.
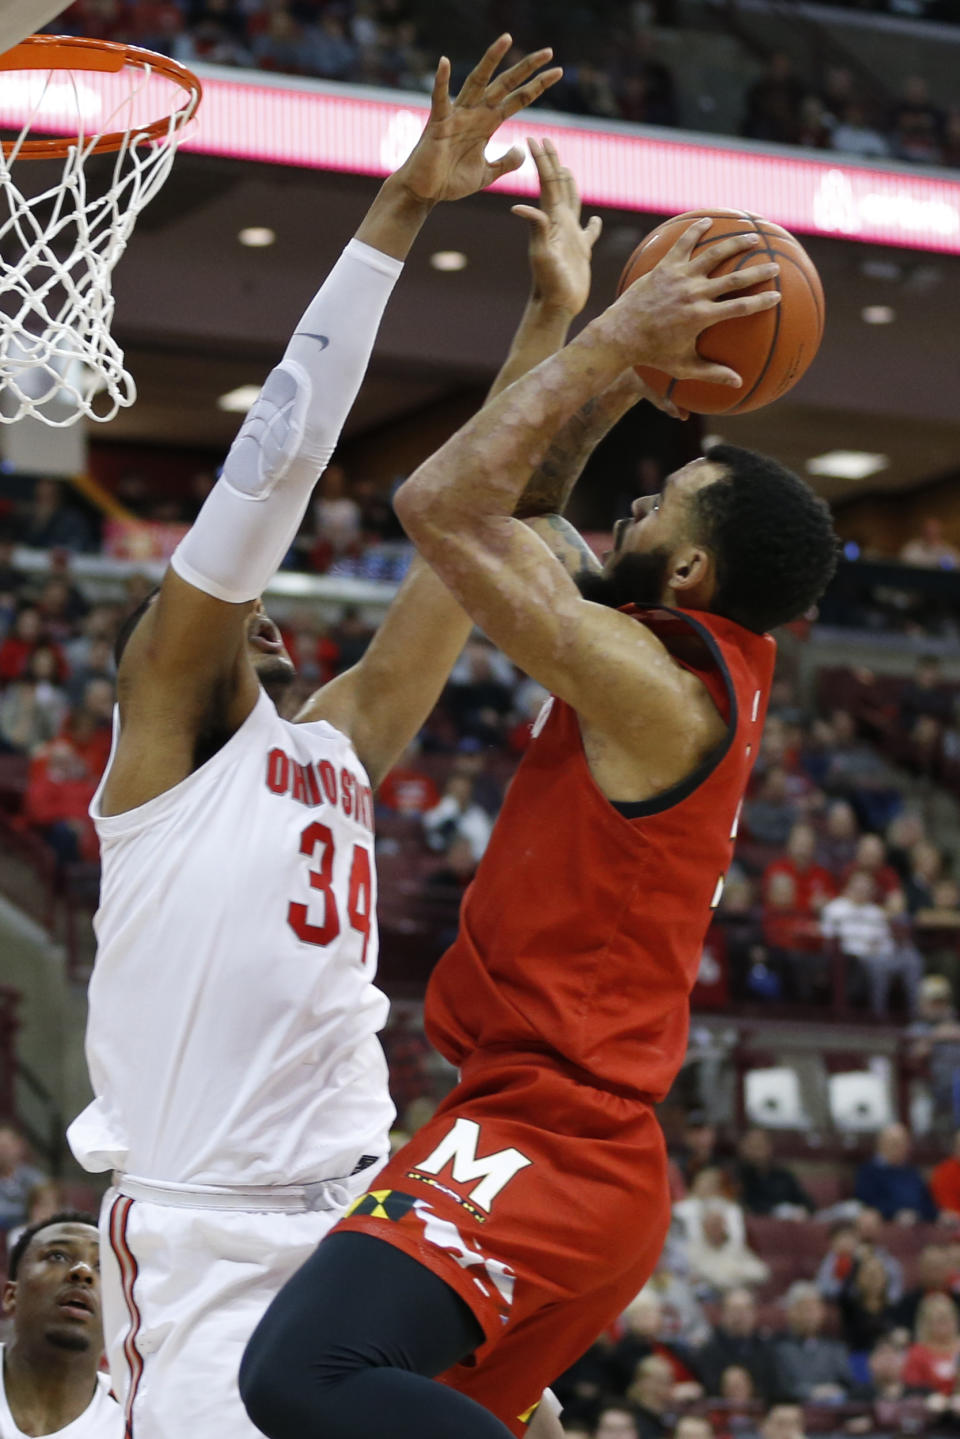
(516, 1225)
(241, 1093)
(50, 1380)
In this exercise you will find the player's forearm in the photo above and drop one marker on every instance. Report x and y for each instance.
(394, 220)
(541, 333)
(552, 482)
(483, 469)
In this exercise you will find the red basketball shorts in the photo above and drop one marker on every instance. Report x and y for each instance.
(543, 1203)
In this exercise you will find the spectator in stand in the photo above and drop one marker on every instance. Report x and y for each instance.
(683, 1316)
(337, 518)
(933, 1359)
(351, 635)
(735, 1342)
(769, 816)
(25, 723)
(53, 523)
(812, 1368)
(650, 1394)
(643, 1334)
(407, 789)
(885, 1384)
(917, 124)
(934, 1275)
(43, 671)
(89, 727)
(43, 1202)
(902, 834)
(447, 885)
(859, 773)
(480, 695)
(98, 665)
(60, 787)
(784, 1421)
(863, 931)
(616, 1421)
(766, 1187)
(936, 1032)
(458, 816)
(774, 103)
(408, 1055)
(25, 636)
(926, 696)
(870, 1227)
(925, 868)
(891, 1184)
(871, 859)
(841, 834)
(717, 1253)
(866, 1311)
(698, 1146)
(840, 1260)
(61, 605)
(18, 1177)
(97, 628)
(853, 134)
(471, 760)
(792, 937)
(929, 550)
(945, 1183)
(813, 884)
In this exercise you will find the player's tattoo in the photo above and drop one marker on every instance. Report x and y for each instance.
(551, 484)
(565, 543)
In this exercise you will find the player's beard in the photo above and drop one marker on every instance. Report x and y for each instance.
(276, 674)
(74, 1340)
(636, 578)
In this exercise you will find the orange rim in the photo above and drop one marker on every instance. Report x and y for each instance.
(72, 52)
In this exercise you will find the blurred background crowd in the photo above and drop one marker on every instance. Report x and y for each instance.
(613, 67)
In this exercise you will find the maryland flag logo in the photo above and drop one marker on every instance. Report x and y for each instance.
(382, 1204)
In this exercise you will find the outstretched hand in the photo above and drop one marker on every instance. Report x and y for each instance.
(560, 247)
(449, 160)
(659, 318)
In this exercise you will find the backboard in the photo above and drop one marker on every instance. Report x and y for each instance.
(20, 18)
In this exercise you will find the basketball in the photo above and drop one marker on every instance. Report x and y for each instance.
(770, 351)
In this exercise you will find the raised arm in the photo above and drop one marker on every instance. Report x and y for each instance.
(188, 677)
(459, 506)
(384, 699)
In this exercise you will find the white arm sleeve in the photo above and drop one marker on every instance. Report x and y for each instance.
(251, 515)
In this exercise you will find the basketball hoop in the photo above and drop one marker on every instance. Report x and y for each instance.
(60, 241)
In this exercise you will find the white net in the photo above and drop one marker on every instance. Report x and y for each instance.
(65, 222)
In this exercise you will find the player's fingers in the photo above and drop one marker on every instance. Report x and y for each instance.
(480, 76)
(743, 305)
(593, 230)
(668, 407)
(741, 279)
(440, 98)
(517, 74)
(536, 217)
(512, 160)
(565, 180)
(526, 95)
(713, 374)
(685, 243)
(546, 172)
(708, 257)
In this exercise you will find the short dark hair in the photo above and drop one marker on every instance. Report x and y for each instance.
(66, 1216)
(772, 539)
(130, 624)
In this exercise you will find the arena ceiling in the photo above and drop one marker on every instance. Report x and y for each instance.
(200, 314)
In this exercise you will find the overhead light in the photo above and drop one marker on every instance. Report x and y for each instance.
(708, 442)
(878, 314)
(257, 236)
(238, 401)
(847, 464)
(448, 260)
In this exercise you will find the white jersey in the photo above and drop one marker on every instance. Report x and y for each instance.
(232, 1031)
(102, 1418)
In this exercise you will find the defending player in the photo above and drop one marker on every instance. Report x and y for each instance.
(50, 1380)
(241, 1092)
(520, 1221)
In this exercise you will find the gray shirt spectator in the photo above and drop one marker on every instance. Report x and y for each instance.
(811, 1367)
(17, 1177)
(736, 1341)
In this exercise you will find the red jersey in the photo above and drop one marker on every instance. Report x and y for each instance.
(580, 936)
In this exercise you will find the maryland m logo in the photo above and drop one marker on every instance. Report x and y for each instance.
(459, 1148)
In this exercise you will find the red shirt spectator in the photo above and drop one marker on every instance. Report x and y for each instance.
(785, 925)
(59, 790)
(933, 1362)
(871, 858)
(945, 1181)
(813, 885)
(406, 789)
